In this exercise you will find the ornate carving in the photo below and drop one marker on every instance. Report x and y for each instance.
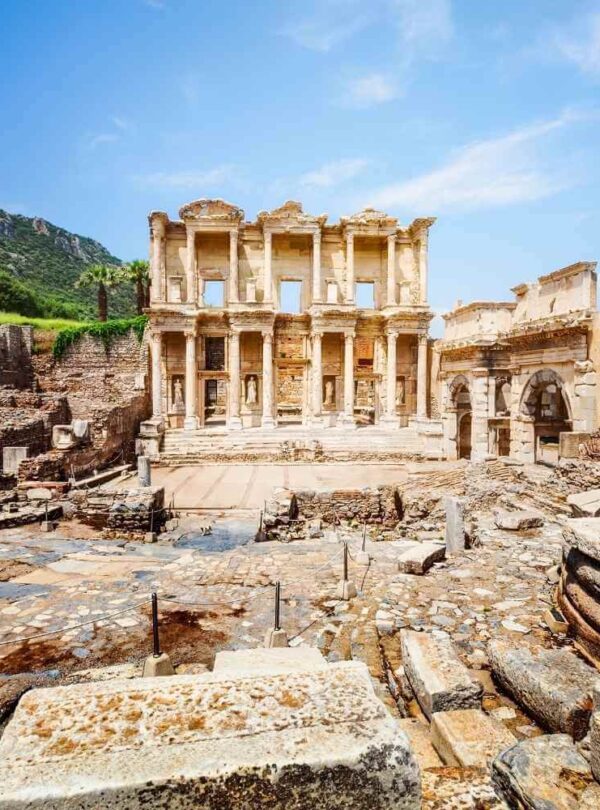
(211, 211)
(288, 215)
(369, 217)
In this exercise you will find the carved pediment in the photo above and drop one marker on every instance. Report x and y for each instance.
(370, 217)
(290, 214)
(211, 210)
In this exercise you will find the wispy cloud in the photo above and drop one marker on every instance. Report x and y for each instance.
(187, 179)
(423, 27)
(497, 171)
(326, 23)
(158, 4)
(334, 173)
(121, 123)
(366, 91)
(579, 43)
(100, 138)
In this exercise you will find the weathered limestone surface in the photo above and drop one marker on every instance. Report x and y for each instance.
(585, 504)
(420, 741)
(439, 680)
(595, 734)
(286, 741)
(259, 661)
(544, 773)
(455, 525)
(469, 737)
(554, 685)
(517, 521)
(419, 558)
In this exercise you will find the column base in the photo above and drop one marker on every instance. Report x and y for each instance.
(268, 422)
(190, 423)
(315, 422)
(346, 422)
(234, 423)
(390, 421)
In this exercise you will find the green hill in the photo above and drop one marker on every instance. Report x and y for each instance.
(39, 265)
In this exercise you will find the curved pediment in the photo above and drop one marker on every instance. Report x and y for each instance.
(211, 210)
(290, 214)
(370, 217)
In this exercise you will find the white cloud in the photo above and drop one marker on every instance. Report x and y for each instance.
(121, 123)
(496, 171)
(423, 26)
(330, 23)
(100, 138)
(332, 174)
(187, 179)
(580, 44)
(365, 91)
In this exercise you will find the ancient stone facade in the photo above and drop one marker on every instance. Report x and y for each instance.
(227, 347)
(513, 377)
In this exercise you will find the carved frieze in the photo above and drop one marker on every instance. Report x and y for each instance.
(206, 210)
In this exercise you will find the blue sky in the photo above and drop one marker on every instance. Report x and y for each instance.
(484, 114)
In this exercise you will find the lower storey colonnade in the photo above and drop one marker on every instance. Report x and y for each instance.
(264, 377)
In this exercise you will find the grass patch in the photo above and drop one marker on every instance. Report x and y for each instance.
(106, 331)
(45, 324)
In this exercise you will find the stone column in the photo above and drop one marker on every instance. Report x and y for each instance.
(392, 338)
(350, 268)
(234, 295)
(158, 232)
(348, 415)
(317, 377)
(190, 274)
(267, 393)
(316, 294)
(391, 270)
(423, 266)
(480, 412)
(234, 422)
(268, 274)
(157, 375)
(422, 377)
(191, 420)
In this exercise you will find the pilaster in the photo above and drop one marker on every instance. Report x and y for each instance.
(234, 422)
(267, 355)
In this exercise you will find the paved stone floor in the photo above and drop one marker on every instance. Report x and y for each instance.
(246, 486)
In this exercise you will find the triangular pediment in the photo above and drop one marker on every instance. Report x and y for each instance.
(206, 209)
(290, 214)
(370, 217)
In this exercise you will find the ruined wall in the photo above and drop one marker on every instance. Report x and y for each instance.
(363, 505)
(27, 418)
(16, 348)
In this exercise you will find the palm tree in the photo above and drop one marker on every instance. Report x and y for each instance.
(104, 276)
(138, 271)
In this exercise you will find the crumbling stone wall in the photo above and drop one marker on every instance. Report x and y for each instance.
(127, 509)
(27, 418)
(16, 345)
(363, 505)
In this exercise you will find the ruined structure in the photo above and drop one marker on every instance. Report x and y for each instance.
(515, 377)
(228, 349)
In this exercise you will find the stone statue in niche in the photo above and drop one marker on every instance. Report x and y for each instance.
(178, 402)
(400, 391)
(329, 393)
(251, 391)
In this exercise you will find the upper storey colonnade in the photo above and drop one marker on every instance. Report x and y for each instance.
(212, 242)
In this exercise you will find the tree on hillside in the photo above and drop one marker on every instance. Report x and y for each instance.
(102, 276)
(138, 271)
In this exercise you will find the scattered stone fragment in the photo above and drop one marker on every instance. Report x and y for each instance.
(469, 737)
(438, 678)
(553, 685)
(419, 558)
(420, 740)
(518, 521)
(455, 525)
(515, 627)
(585, 504)
(544, 773)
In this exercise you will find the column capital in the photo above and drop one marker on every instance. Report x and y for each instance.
(349, 336)
(267, 336)
(155, 335)
(392, 333)
(316, 236)
(423, 337)
(316, 333)
(349, 236)
(234, 334)
(391, 238)
(190, 334)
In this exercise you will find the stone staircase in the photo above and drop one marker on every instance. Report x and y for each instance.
(289, 445)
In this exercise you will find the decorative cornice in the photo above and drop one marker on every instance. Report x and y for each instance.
(211, 211)
(289, 216)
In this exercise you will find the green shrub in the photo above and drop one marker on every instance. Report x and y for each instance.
(17, 296)
(106, 331)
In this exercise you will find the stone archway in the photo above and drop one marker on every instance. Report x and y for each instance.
(460, 400)
(546, 409)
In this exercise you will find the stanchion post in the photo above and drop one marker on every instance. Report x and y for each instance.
(155, 636)
(158, 663)
(347, 589)
(277, 605)
(277, 637)
(362, 556)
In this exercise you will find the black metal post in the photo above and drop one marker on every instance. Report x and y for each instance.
(151, 519)
(345, 562)
(155, 638)
(46, 511)
(260, 525)
(277, 604)
(364, 536)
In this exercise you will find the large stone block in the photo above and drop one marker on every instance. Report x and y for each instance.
(543, 773)
(12, 457)
(555, 686)
(261, 661)
(584, 535)
(518, 521)
(455, 525)
(309, 739)
(420, 557)
(585, 504)
(438, 678)
(469, 737)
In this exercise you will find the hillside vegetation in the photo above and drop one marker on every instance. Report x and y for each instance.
(39, 265)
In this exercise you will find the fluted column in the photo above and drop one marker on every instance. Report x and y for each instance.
(348, 415)
(191, 419)
(391, 270)
(350, 268)
(267, 411)
(234, 421)
(422, 377)
(316, 294)
(190, 274)
(158, 233)
(268, 274)
(157, 375)
(234, 295)
(392, 339)
(317, 376)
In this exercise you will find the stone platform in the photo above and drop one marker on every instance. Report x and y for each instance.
(307, 739)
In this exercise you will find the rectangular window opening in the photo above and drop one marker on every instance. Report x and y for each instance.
(214, 294)
(365, 295)
(290, 297)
